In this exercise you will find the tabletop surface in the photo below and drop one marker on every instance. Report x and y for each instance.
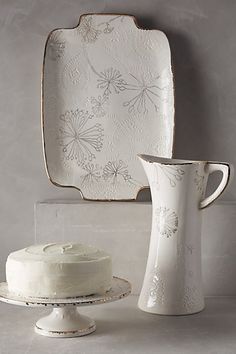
(122, 328)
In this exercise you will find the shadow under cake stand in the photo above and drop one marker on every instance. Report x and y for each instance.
(65, 319)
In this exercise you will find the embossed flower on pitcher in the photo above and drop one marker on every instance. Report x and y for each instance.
(173, 173)
(87, 30)
(167, 221)
(191, 298)
(157, 288)
(78, 140)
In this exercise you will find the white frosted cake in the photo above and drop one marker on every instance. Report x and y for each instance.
(58, 271)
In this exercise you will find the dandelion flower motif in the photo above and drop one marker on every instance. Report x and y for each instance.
(146, 93)
(92, 174)
(167, 221)
(98, 105)
(173, 173)
(78, 141)
(115, 170)
(107, 28)
(87, 30)
(111, 80)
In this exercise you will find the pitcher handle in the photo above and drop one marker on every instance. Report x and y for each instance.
(227, 171)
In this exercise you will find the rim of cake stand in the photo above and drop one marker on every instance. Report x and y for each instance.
(120, 289)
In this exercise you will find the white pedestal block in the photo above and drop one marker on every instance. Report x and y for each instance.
(123, 229)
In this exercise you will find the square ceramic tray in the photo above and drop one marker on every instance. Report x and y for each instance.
(107, 95)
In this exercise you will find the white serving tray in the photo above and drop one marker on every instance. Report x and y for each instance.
(107, 95)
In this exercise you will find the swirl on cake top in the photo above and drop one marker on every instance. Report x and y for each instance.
(67, 252)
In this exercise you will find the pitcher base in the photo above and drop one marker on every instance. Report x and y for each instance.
(172, 312)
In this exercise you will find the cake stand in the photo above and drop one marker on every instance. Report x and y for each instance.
(65, 319)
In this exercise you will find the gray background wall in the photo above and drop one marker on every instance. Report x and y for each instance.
(202, 39)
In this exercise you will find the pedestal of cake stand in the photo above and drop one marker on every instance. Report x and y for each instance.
(65, 319)
(65, 322)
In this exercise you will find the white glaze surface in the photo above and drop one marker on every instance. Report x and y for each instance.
(58, 270)
(107, 95)
(65, 322)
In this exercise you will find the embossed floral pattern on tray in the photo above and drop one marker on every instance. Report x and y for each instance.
(78, 140)
(56, 46)
(112, 99)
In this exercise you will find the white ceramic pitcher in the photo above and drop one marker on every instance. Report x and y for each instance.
(173, 281)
